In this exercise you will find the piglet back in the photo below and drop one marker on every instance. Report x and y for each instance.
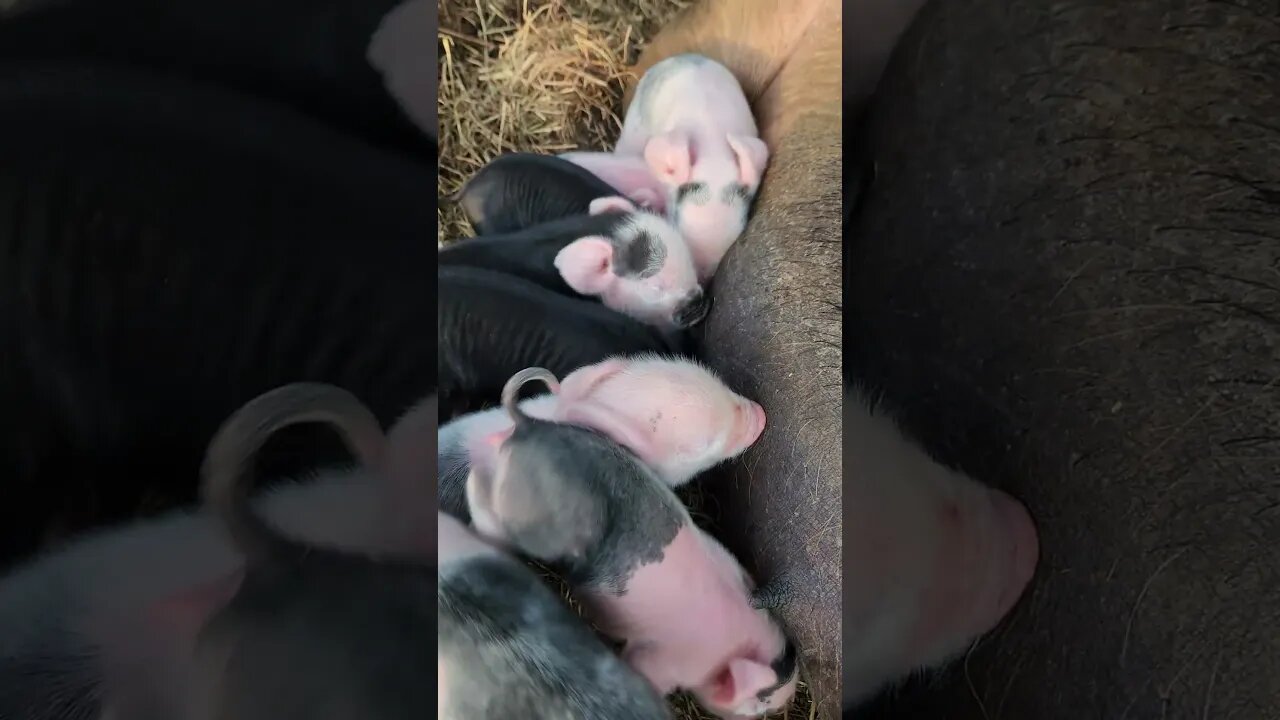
(520, 190)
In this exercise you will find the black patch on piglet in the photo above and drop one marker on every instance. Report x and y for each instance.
(695, 192)
(521, 652)
(637, 252)
(736, 193)
(784, 667)
(694, 310)
(635, 258)
(640, 514)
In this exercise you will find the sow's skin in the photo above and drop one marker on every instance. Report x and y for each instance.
(169, 251)
(774, 330)
(1064, 278)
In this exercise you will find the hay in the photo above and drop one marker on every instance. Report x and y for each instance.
(531, 76)
(543, 76)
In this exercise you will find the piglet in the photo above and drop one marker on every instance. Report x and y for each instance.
(491, 325)
(691, 124)
(635, 262)
(106, 626)
(310, 632)
(508, 647)
(570, 497)
(518, 190)
(674, 413)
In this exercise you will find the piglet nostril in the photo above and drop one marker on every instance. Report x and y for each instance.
(693, 310)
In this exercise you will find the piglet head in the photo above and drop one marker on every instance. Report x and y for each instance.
(713, 184)
(748, 687)
(644, 269)
(674, 414)
(522, 492)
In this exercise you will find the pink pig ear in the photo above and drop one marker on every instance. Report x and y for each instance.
(753, 156)
(495, 439)
(740, 680)
(612, 203)
(670, 156)
(586, 264)
(579, 383)
(186, 611)
(483, 451)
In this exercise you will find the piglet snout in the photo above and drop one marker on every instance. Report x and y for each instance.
(1024, 553)
(983, 558)
(755, 422)
(692, 310)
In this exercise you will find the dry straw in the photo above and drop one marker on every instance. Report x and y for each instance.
(545, 77)
(532, 77)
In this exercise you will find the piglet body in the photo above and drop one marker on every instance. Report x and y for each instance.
(73, 617)
(519, 190)
(632, 261)
(572, 498)
(108, 623)
(673, 413)
(307, 631)
(691, 124)
(508, 647)
(686, 614)
(455, 439)
(490, 325)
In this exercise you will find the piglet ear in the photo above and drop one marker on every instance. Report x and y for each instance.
(741, 680)
(579, 383)
(753, 156)
(483, 455)
(586, 264)
(612, 203)
(479, 493)
(670, 156)
(186, 611)
(495, 439)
